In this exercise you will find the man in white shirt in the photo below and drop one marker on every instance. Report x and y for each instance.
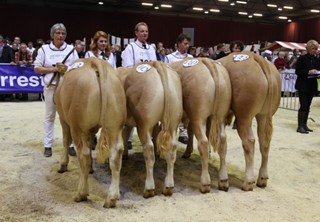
(182, 52)
(138, 51)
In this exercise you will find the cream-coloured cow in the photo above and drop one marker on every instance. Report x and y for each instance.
(153, 94)
(90, 97)
(256, 90)
(206, 102)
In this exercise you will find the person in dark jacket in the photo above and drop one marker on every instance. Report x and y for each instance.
(307, 69)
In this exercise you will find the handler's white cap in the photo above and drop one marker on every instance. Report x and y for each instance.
(268, 52)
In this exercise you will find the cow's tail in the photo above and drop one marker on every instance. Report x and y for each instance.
(164, 136)
(268, 128)
(102, 76)
(214, 130)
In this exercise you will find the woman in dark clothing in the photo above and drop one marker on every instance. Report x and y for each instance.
(307, 69)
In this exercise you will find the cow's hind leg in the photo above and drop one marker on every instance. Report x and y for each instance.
(148, 153)
(67, 140)
(115, 161)
(248, 141)
(264, 133)
(223, 183)
(81, 141)
(203, 146)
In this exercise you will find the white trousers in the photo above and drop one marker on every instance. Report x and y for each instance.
(50, 115)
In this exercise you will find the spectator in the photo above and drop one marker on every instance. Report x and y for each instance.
(280, 62)
(293, 60)
(23, 56)
(48, 62)
(6, 56)
(182, 48)
(80, 50)
(138, 51)
(236, 46)
(307, 67)
(100, 48)
(204, 52)
(15, 48)
(30, 47)
(220, 51)
(193, 51)
(267, 54)
(17, 40)
(117, 55)
(39, 43)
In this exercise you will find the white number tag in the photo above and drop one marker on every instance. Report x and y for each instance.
(191, 62)
(143, 68)
(76, 65)
(240, 57)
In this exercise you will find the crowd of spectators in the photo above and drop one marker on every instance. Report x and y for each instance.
(18, 52)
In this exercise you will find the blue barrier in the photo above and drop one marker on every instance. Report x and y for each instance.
(19, 79)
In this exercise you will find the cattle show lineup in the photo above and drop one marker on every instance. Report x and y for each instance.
(121, 126)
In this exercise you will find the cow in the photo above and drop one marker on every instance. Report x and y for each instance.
(256, 92)
(206, 101)
(91, 97)
(153, 94)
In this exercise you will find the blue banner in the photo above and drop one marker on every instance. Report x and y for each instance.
(19, 79)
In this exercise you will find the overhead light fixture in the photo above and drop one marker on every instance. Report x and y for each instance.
(166, 6)
(214, 10)
(206, 12)
(283, 17)
(315, 10)
(223, 0)
(289, 20)
(241, 2)
(272, 5)
(156, 7)
(257, 14)
(287, 7)
(197, 9)
(232, 4)
(279, 9)
(146, 4)
(250, 16)
(243, 13)
(100, 3)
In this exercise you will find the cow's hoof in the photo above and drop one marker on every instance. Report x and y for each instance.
(149, 193)
(63, 168)
(112, 203)
(223, 185)
(262, 182)
(80, 198)
(186, 155)
(168, 191)
(205, 188)
(247, 186)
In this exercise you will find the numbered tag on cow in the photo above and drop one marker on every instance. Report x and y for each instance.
(240, 57)
(143, 68)
(191, 62)
(76, 65)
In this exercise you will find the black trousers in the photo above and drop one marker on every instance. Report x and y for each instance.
(305, 99)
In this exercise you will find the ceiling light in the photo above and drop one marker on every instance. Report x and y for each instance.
(206, 12)
(257, 14)
(272, 5)
(289, 20)
(283, 17)
(214, 10)
(156, 7)
(100, 3)
(197, 9)
(243, 13)
(249, 16)
(315, 10)
(232, 3)
(288, 7)
(241, 2)
(223, 0)
(279, 9)
(146, 4)
(166, 6)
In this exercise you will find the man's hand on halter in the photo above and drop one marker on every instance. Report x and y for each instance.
(62, 68)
